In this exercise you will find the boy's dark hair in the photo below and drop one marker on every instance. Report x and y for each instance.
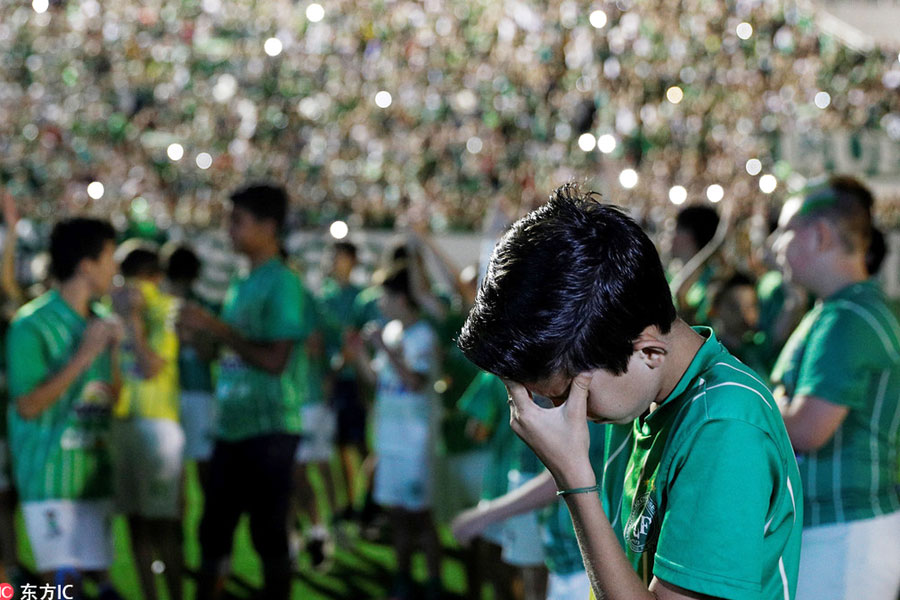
(181, 262)
(569, 288)
(263, 201)
(348, 248)
(700, 221)
(138, 258)
(397, 280)
(75, 240)
(847, 203)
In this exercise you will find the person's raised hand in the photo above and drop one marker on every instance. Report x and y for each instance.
(559, 436)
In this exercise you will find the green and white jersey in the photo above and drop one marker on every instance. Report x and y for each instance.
(846, 351)
(711, 498)
(63, 453)
(265, 306)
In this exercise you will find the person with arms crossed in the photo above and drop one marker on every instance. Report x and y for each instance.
(575, 307)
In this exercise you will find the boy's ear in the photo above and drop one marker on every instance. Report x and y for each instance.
(651, 347)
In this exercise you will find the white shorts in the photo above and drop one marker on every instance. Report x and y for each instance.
(319, 431)
(403, 482)
(198, 420)
(72, 534)
(566, 587)
(5, 484)
(859, 560)
(522, 540)
(458, 479)
(148, 465)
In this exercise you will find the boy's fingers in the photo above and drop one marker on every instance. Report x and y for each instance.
(576, 403)
(519, 398)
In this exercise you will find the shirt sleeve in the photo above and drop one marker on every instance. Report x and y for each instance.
(290, 314)
(718, 493)
(478, 401)
(26, 360)
(840, 350)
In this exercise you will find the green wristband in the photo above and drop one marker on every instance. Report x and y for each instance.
(582, 490)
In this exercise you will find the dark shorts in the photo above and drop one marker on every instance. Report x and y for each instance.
(351, 412)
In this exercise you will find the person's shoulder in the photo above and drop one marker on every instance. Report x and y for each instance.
(729, 389)
(864, 318)
(33, 311)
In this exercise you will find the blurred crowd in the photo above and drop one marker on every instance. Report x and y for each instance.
(370, 109)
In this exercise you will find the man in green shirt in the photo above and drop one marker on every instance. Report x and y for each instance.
(576, 308)
(838, 383)
(261, 331)
(63, 384)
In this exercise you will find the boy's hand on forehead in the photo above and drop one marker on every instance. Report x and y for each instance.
(559, 436)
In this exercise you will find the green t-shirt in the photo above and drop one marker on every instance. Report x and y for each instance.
(265, 306)
(846, 350)
(711, 494)
(63, 453)
(365, 307)
(459, 372)
(486, 401)
(310, 371)
(336, 305)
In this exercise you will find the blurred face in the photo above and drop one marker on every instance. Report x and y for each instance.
(99, 272)
(683, 245)
(247, 232)
(611, 398)
(392, 305)
(738, 311)
(343, 265)
(796, 244)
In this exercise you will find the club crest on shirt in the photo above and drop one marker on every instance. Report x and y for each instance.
(642, 527)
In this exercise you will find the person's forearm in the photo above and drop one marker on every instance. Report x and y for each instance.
(611, 576)
(272, 357)
(32, 404)
(149, 363)
(536, 493)
(364, 368)
(411, 379)
(8, 268)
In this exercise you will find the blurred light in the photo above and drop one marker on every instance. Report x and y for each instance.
(715, 193)
(383, 99)
(744, 31)
(40, 6)
(474, 144)
(273, 46)
(674, 94)
(226, 86)
(339, 230)
(753, 166)
(606, 143)
(175, 151)
(628, 178)
(768, 183)
(598, 19)
(95, 190)
(158, 567)
(822, 100)
(587, 142)
(315, 12)
(677, 194)
(204, 160)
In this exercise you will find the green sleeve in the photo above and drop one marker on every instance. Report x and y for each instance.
(288, 310)
(480, 400)
(26, 360)
(718, 492)
(840, 350)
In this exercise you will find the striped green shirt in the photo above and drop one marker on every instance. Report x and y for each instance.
(265, 306)
(710, 500)
(846, 351)
(63, 453)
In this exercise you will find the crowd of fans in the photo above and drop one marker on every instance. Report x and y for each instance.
(483, 100)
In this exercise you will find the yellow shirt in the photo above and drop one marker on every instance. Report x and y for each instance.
(155, 398)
